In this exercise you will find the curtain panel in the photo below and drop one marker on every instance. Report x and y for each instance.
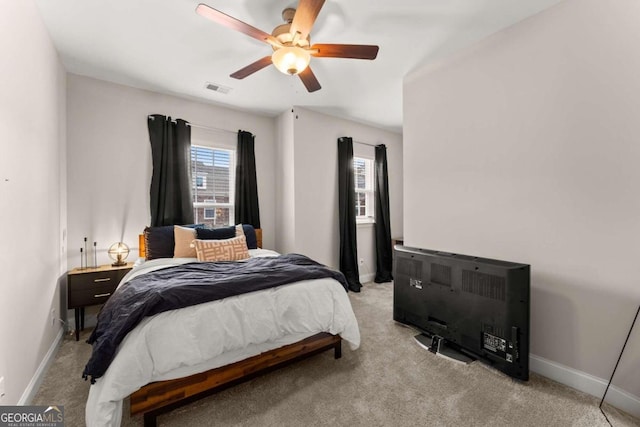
(247, 209)
(347, 214)
(171, 199)
(384, 251)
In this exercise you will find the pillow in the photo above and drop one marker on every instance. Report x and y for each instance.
(250, 234)
(159, 242)
(184, 237)
(239, 230)
(216, 233)
(234, 249)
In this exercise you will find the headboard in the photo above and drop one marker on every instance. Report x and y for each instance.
(259, 236)
(141, 246)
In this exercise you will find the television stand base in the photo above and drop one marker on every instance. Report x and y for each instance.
(438, 345)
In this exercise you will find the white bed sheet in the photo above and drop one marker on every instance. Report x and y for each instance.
(195, 339)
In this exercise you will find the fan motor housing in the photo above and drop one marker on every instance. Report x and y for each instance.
(283, 32)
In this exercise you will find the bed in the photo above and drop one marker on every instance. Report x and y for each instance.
(176, 356)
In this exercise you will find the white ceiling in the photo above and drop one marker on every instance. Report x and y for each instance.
(164, 46)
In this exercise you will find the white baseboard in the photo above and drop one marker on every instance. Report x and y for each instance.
(586, 383)
(38, 376)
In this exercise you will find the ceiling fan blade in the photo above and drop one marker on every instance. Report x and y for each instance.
(252, 68)
(355, 51)
(235, 24)
(305, 16)
(309, 80)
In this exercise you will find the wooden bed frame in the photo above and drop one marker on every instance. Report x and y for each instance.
(160, 397)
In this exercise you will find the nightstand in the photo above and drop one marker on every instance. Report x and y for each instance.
(92, 286)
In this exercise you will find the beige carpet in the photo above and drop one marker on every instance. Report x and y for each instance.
(389, 381)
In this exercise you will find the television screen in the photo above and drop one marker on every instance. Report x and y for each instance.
(477, 305)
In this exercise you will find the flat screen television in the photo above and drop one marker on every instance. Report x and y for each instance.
(478, 306)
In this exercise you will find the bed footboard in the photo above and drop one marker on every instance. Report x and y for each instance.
(160, 397)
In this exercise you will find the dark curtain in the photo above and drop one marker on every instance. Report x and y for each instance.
(171, 201)
(347, 214)
(384, 260)
(247, 210)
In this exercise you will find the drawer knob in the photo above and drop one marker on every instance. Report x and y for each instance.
(106, 279)
(102, 295)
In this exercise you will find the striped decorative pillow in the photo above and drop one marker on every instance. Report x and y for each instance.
(234, 249)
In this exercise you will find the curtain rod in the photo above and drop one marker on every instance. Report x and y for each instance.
(366, 143)
(193, 125)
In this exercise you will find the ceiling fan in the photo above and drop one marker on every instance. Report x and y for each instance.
(292, 50)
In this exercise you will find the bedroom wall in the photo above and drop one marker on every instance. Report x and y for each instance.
(109, 159)
(32, 191)
(285, 184)
(525, 147)
(315, 190)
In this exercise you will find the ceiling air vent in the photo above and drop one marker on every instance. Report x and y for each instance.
(218, 88)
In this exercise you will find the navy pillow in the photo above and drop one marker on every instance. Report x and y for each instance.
(229, 233)
(159, 242)
(216, 233)
(250, 235)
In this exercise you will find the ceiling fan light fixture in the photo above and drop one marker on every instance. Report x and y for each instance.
(292, 49)
(291, 59)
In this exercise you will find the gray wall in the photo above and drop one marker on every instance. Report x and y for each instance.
(285, 184)
(525, 147)
(32, 196)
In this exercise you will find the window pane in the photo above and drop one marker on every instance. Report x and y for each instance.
(363, 179)
(213, 180)
(359, 171)
(362, 169)
(211, 166)
(212, 216)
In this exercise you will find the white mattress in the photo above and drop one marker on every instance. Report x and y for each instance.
(194, 339)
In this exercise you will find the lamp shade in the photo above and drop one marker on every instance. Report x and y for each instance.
(118, 252)
(291, 59)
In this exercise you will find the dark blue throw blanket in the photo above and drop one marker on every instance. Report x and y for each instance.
(190, 284)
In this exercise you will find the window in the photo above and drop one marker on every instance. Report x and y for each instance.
(363, 177)
(209, 213)
(213, 172)
(201, 182)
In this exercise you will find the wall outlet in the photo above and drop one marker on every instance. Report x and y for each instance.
(53, 317)
(2, 392)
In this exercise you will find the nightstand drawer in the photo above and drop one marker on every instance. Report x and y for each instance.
(92, 287)
(91, 295)
(78, 282)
